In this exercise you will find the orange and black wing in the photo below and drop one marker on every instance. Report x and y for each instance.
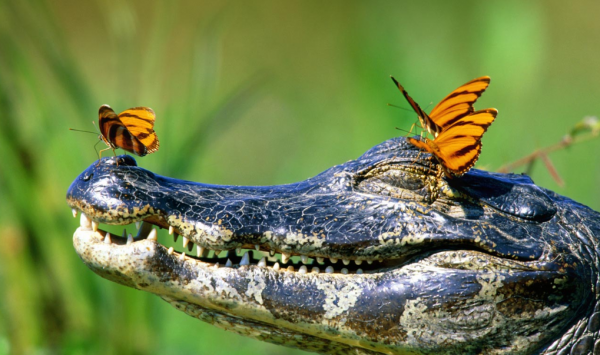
(139, 121)
(459, 103)
(132, 130)
(458, 147)
(432, 127)
(107, 118)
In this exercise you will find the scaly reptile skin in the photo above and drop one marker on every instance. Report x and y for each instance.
(393, 260)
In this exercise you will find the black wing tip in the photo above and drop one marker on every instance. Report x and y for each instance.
(491, 111)
(142, 108)
(398, 85)
(104, 108)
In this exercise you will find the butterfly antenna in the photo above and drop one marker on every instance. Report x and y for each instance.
(403, 130)
(97, 129)
(400, 107)
(412, 127)
(80, 130)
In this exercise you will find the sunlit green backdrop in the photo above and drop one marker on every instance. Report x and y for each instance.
(252, 93)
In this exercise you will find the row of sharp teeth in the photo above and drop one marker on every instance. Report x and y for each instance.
(87, 223)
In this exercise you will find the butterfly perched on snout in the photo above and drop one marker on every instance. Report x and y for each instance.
(132, 130)
(456, 127)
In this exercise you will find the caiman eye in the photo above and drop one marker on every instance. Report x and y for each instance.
(396, 181)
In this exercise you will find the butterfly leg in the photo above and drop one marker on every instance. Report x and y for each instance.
(102, 150)
(417, 158)
(115, 154)
(442, 171)
(412, 127)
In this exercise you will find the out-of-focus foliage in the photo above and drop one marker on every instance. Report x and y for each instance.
(252, 92)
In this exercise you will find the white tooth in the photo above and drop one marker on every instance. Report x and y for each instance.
(380, 260)
(276, 266)
(285, 258)
(257, 247)
(271, 252)
(262, 262)
(185, 241)
(217, 252)
(107, 238)
(216, 266)
(129, 238)
(228, 263)
(344, 271)
(94, 226)
(171, 230)
(345, 261)
(303, 269)
(316, 270)
(329, 269)
(238, 250)
(333, 260)
(290, 268)
(200, 251)
(84, 222)
(245, 259)
(359, 271)
(153, 234)
(304, 259)
(137, 224)
(74, 211)
(182, 256)
(321, 260)
(369, 262)
(358, 262)
(170, 251)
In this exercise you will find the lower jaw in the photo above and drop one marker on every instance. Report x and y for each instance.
(228, 258)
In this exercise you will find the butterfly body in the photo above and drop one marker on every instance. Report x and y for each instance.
(132, 130)
(456, 127)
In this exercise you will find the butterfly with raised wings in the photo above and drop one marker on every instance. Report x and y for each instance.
(456, 127)
(131, 130)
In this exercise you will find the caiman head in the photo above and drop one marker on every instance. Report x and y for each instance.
(377, 255)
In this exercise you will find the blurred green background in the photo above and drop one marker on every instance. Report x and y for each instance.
(251, 93)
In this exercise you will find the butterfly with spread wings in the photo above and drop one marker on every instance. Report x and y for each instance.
(131, 130)
(456, 127)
